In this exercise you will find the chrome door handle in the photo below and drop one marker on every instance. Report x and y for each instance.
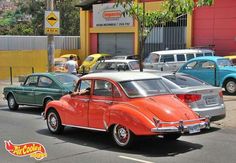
(108, 102)
(85, 100)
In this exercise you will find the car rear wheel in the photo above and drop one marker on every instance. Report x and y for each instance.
(54, 122)
(230, 86)
(172, 137)
(12, 102)
(122, 136)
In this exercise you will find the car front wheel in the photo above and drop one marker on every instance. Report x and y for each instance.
(12, 103)
(122, 136)
(230, 87)
(54, 122)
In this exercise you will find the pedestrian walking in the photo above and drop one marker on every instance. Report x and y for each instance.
(71, 66)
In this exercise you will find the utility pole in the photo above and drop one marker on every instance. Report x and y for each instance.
(51, 41)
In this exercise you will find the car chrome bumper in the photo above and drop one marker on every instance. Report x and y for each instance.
(181, 127)
(43, 115)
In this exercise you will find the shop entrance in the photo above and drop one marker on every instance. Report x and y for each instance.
(116, 43)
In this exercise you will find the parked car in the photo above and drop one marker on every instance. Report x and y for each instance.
(203, 98)
(59, 65)
(171, 60)
(127, 104)
(39, 88)
(232, 58)
(125, 57)
(90, 61)
(217, 71)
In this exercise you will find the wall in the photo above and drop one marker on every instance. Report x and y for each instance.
(22, 61)
(216, 25)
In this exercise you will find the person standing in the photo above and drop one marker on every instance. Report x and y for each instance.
(71, 66)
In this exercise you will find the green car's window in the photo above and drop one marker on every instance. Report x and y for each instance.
(44, 82)
(31, 81)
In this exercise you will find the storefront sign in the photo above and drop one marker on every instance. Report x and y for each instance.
(107, 15)
(52, 23)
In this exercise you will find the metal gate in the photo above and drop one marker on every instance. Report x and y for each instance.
(116, 44)
(170, 36)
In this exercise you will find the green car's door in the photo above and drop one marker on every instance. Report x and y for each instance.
(26, 94)
(47, 88)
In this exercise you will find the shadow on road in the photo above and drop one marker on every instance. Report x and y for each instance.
(147, 146)
(24, 110)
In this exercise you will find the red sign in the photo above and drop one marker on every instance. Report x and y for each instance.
(115, 14)
(32, 149)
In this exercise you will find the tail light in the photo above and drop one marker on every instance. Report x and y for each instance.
(189, 98)
(221, 94)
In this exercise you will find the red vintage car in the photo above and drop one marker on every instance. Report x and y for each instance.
(127, 104)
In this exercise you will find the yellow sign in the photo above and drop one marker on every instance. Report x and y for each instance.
(52, 19)
(52, 22)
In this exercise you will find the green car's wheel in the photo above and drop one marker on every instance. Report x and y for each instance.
(54, 122)
(12, 102)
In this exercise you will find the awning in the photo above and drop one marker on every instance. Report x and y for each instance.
(87, 4)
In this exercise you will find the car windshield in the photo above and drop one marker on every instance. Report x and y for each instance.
(59, 63)
(144, 88)
(184, 80)
(134, 65)
(67, 78)
(224, 62)
(89, 59)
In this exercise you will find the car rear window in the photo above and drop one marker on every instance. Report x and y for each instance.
(89, 59)
(67, 78)
(184, 80)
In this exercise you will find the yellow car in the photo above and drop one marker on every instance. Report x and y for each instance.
(232, 58)
(90, 61)
(76, 56)
(59, 65)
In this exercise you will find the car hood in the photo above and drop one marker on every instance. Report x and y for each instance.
(167, 108)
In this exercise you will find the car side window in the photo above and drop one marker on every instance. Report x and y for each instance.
(180, 57)
(44, 82)
(189, 56)
(191, 65)
(207, 65)
(84, 85)
(167, 58)
(31, 81)
(102, 88)
(199, 54)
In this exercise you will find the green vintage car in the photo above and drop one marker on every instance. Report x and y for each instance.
(39, 88)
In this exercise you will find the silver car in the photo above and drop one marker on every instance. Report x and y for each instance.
(204, 99)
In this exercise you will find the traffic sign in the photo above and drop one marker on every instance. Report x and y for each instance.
(52, 22)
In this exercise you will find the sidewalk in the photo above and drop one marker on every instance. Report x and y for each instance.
(6, 83)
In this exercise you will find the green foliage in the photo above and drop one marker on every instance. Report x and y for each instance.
(28, 19)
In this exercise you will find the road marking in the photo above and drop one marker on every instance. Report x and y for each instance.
(135, 159)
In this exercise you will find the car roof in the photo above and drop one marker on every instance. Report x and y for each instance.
(47, 74)
(122, 76)
(119, 60)
(182, 51)
(98, 55)
(212, 58)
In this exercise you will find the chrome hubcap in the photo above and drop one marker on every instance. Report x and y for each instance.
(52, 121)
(11, 102)
(230, 86)
(121, 135)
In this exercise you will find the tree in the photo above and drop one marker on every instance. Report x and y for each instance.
(170, 11)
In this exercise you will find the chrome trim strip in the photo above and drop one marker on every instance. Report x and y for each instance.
(106, 101)
(89, 128)
(177, 122)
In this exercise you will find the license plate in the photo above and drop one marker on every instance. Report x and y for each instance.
(194, 129)
(211, 100)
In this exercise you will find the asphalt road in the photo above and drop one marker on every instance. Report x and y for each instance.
(217, 145)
